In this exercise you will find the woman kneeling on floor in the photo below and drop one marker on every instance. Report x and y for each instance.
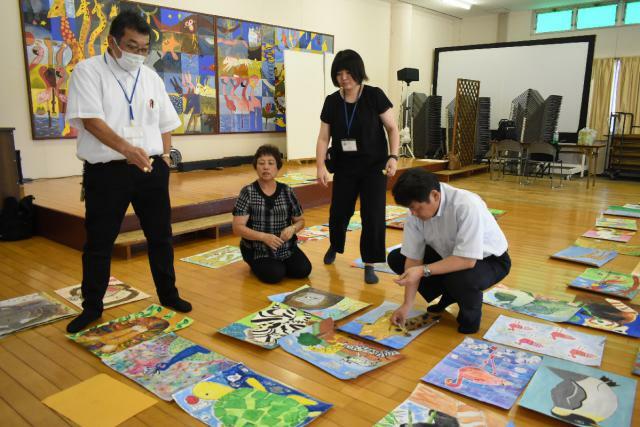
(267, 216)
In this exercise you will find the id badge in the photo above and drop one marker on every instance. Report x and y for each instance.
(349, 145)
(134, 135)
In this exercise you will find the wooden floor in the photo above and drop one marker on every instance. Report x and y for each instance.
(539, 221)
(186, 188)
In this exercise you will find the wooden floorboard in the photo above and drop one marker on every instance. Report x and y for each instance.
(539, 221)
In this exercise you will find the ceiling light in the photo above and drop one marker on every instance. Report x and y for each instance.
(463, 4)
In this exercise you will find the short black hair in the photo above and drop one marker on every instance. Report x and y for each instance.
(350, 61)
(415, 185)
(131, 20)
(268, 150)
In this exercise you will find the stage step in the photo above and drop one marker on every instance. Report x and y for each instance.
(448, 175)
(126, 240)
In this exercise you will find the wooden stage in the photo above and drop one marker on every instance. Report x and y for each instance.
(197, 194)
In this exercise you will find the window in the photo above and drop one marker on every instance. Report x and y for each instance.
(632, 13)
(553, 21)
(597, 16)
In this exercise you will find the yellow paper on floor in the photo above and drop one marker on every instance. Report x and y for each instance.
(100, 401)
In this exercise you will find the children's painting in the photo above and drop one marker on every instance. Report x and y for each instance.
(580, 395)
(620, 223)
(376, 326)
(251, 77)
(315, 232)
(30, 310)
(265, 327)
(338, 354)
(216, 258)
(322, 304)
(631, 206)
(239, 396)
(607, 282)
(484, 371)
(397, 223)
(428, 407)
(381, 267)
(549, 340)
(392, 211)
(167, 364)
(119, 334)
(117, 293)
(295, 179)
(610, 234)
(589, 256)
(623, 211)
(540, 306)
(607, 245)
(608, 314)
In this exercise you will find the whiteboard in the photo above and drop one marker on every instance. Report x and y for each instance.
(505, 70)
(304, 96)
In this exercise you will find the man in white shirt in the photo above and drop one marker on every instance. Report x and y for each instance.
(124, 119)
(452, 247)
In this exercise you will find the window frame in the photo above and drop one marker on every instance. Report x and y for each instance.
(621, 11)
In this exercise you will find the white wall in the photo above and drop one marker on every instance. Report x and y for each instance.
(363, 25)
(479, 30)
(611, 42)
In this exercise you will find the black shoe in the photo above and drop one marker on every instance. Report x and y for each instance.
(370, 275)
(468, 329)
(330, 256)
(178, 304)
(81, 322)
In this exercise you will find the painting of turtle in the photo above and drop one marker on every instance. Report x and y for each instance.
(240, 397)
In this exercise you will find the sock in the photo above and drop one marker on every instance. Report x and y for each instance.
(178, 304)
(370, 275)
(330, 256)
(82, 321)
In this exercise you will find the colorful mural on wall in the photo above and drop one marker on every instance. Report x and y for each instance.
(250, 75)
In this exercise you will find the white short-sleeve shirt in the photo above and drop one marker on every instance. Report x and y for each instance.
(463, 226)
(94, 92)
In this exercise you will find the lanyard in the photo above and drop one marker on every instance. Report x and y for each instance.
(133, 91)
(347, 120)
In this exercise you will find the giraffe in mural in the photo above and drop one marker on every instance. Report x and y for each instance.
(83, 10)
(102, 24)
(58, 11)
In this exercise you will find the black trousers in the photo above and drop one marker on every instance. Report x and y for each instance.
(109, 188)
(371, 186)
(462, 287)
(271, 270)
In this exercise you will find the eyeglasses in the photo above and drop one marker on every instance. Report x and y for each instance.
(134, 48)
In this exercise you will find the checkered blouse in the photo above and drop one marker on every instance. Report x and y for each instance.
(268, 214)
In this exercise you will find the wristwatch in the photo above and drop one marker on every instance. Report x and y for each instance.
(392, 156)
(426, 272)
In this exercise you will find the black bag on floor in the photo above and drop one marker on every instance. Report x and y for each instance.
(17, 219)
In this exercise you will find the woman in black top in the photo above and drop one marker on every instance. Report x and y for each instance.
(267, 216)
(355, 118)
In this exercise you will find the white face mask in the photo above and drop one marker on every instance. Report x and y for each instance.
(130, 61)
